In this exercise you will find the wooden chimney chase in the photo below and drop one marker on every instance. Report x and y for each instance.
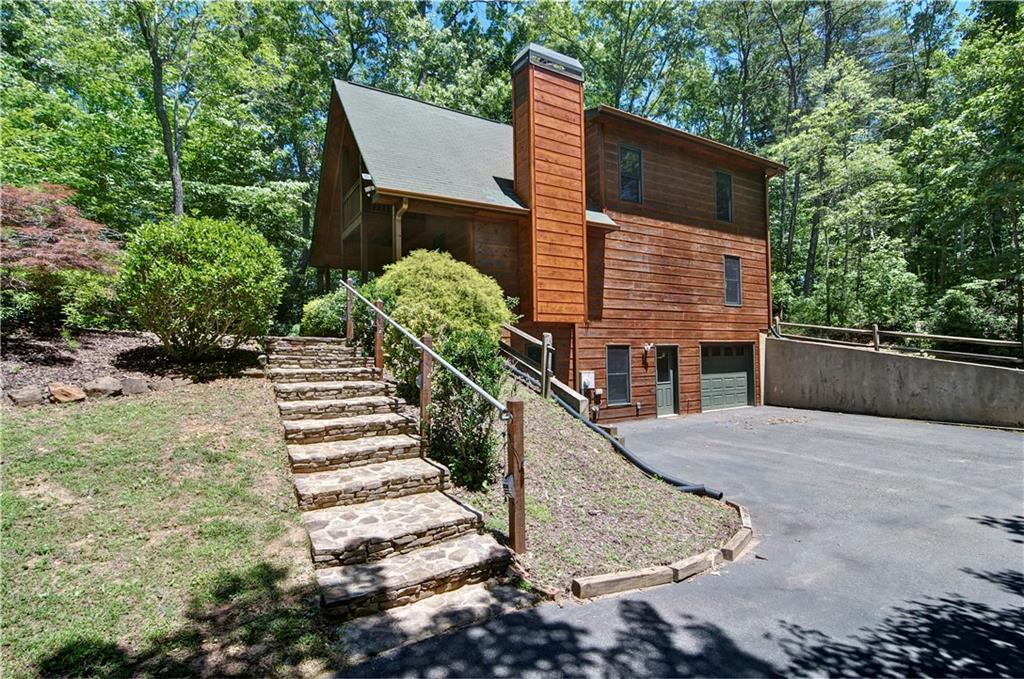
(549, 179)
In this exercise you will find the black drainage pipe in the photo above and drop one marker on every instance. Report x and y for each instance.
(679, 484)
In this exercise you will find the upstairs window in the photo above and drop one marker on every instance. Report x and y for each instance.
(617, 365)
(733, 271)
(723, 196)
(630, 175)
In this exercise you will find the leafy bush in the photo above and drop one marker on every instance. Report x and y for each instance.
(462, 424)
(196, 283)
(49, 249)
(91, 300)
(977, 308)
(431, 292)
(324, 316)
(463, 310)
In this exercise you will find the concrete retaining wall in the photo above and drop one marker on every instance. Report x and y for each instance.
(824, 377)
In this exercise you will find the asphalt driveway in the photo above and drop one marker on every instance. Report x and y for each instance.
(886, 547)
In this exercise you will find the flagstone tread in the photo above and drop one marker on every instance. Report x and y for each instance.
(360, 589)
(435, 615)
(323, 374)
(337, 428)
(307, 391)
(333, 407)
(382, 527)
(390, 479)
(309, 457)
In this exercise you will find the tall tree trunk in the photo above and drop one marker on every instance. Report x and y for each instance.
(149, 34)
(819, 209)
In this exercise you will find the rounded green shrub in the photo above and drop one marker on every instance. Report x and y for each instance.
(324, 316)
(201, 284)
(430, 292)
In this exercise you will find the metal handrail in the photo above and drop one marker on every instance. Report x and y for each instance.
(503, 411)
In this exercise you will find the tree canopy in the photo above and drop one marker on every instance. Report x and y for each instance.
(902, 123)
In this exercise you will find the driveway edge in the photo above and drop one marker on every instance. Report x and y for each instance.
(622, 581)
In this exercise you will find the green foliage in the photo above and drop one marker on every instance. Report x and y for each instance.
(431, 292)
(91, 300)
(462, 424)
(977, 308)
(324, 316)
(197, 283)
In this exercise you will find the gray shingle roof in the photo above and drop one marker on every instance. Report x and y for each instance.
(417, 148)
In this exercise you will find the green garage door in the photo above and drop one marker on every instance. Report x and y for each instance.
(726, 376)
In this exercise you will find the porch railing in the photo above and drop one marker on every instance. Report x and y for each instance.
(510, 412)
(543, 371)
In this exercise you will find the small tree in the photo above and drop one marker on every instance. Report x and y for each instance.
(201, 284)
(43, 238)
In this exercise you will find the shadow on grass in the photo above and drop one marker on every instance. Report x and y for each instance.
(241, 623)
(153, 360)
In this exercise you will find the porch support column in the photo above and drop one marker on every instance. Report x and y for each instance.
(396, 229)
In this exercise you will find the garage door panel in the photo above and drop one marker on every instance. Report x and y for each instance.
(726, 379)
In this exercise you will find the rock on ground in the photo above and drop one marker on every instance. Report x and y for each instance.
(134, 385)
(65, 393)
(27, 396)
(103, 386)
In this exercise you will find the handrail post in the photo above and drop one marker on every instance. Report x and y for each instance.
(349, 325)
(378, 337)
(874, 335)
(517, 498)
(545, 365)
(426, 366)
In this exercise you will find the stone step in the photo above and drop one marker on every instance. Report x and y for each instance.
(313, 457)
(365, 588)
(434, 615)
(369, 482)
(278, 343)
(324, 374)
(341, 428)
(383, 529)
(313, 391)
(315, 360)
(339, 407)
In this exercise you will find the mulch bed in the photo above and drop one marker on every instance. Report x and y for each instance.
(83, 356)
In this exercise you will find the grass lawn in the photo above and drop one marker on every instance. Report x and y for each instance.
(155, 534)
(589, 511)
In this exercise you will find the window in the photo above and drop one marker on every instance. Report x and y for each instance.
(733, 292)
(723, 196)
(618, 375)
(630, 175)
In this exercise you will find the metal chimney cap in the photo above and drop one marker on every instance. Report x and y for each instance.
(548, 59)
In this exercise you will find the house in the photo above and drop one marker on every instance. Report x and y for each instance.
(641, 248)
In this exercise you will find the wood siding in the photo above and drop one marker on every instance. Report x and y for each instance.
(549, 168)
(659, 279)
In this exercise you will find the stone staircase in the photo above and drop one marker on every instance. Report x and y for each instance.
(388, 545)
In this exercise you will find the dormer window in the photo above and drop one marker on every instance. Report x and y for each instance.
(630, 175)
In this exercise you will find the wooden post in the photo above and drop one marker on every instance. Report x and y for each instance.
(426, 365)
(545, 365)
(778, 325)
(874, 335)
(517, 499)
(378, 337)
(349, 323)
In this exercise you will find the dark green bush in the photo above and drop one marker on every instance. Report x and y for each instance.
(201, 284)
(463, 310)
(431, 292)
(91, 300)
(324, 316)
(462, 424)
